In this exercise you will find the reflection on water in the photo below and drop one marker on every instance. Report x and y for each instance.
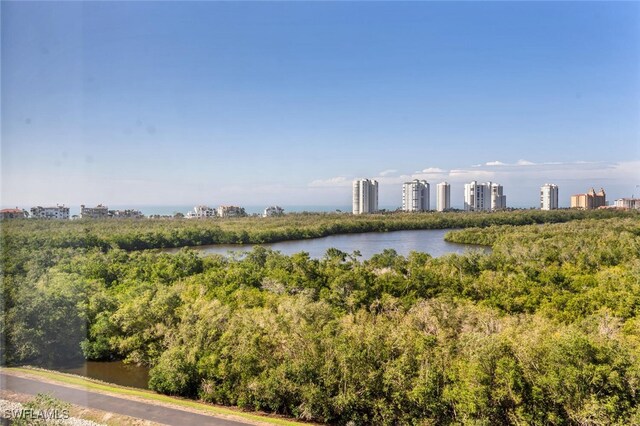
(115, 372)
(426, 240)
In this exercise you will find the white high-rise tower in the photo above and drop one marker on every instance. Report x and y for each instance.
(498, 200)
(484, 197)
(474, 196)
(415, 196)
(365, 196)
(443, 196)
(549, 197)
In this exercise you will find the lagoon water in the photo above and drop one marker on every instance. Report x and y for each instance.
(115, 372)
(403, 242)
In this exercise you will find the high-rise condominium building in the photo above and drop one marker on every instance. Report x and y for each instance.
(484, 196)
(590, 200)
(365, 196)
(415, 196)
(474, 196)
(443, 196)
(549, 197)
(498, 199)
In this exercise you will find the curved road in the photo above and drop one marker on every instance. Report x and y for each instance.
(140, 410)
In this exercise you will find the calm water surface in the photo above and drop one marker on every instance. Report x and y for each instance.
(115, 372)
(428, 241)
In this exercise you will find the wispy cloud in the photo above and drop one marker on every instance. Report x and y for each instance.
(388, 172)
(500, 163)
(432, 170)
(331, 182)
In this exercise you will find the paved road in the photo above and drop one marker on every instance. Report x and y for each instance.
(140, 410)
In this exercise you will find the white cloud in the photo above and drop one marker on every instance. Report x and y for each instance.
(433, 170)
(331, 182)
(388, 172)
(500, 163)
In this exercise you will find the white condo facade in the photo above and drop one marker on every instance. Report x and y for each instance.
(57, 212)
(487, 196)
(231, 211)
(365, 196)
(415, 196)
(548, 196)
(498, 199)
(627, 203)
(201, 212)
(97, 212)
(272, 211)
(443, 196)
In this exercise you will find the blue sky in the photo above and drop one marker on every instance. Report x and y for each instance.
(287, 102)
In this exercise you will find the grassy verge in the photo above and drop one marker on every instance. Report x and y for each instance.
(147, 395)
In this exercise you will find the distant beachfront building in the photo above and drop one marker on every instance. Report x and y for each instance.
(201, 212)
(628, 203)
(415, 196)
(126, 214)
(549, 197)
(231, 211)
(273, 211)
(365, 196)
(13, 213)
(484, 197)
(98, 212)
(57, 212)
(589, 201)
(443, 196)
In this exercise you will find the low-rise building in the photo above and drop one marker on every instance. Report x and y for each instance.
(590, 200)
(628, 203)
(57, 212)
(13, 213)
(231, 211)
(126, 214)
(201, 212)
(97, 212)
(161, 216)
(273, 211)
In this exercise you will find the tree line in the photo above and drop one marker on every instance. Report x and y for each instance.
(136, 234)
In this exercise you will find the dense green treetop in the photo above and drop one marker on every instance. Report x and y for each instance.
(545, 329)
